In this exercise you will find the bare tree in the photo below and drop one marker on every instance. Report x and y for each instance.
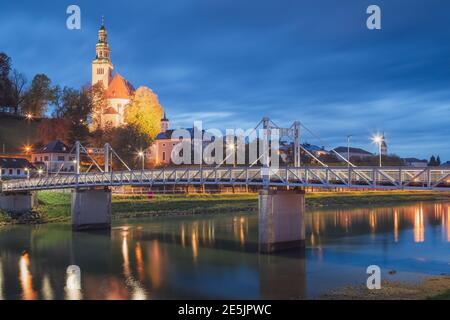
(18, 82)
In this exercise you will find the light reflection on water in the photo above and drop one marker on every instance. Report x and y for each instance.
(216, 256)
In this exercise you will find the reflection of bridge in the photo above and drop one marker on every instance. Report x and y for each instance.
(388, 178)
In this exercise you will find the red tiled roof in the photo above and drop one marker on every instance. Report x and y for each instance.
(119, 88)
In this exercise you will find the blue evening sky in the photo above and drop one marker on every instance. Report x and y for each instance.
(230, 62)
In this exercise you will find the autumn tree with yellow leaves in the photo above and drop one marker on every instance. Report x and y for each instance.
(144, 112)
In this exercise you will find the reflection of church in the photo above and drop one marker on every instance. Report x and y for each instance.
(119, 91)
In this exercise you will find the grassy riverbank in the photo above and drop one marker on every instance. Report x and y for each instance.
(54, 206)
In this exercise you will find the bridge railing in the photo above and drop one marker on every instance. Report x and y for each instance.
(324, 177)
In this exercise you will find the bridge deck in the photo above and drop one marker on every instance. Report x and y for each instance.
(389, 178)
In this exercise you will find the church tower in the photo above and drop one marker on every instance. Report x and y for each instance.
(164, 123)
(384, 147)
(102, 66)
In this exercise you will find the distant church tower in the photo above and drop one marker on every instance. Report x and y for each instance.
(384, 148)
(164, 123)
(102, 66)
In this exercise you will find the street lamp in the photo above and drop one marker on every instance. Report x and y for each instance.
(40, 172)
(29, 116)
(28, 172)
(378, 140)
(141, 154)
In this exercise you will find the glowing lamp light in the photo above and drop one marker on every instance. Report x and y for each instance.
(141, 154)
(377, 139)
(29, 116)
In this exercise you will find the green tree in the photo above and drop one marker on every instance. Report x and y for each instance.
(144, 112)
(432, 161)
(73, 107)
(76, 107)
(438, 161)
(99, 103)
(39, 96)
(128, 141)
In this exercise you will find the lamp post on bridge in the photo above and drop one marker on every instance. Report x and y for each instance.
(141, 154)
(378, 140)
(77, 157)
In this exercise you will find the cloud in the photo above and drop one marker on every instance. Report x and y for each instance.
(229, 63)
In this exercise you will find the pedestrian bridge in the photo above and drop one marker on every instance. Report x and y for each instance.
(382, 178)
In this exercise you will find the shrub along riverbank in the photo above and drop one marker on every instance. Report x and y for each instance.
(55, 206)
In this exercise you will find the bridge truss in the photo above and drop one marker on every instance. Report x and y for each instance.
(387, 178)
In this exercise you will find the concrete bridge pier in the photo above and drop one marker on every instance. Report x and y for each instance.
(281, 220)
(91, 209)
(20, 202)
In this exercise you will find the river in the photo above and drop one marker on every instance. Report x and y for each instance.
(215, 256)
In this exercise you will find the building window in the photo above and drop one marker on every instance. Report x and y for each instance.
(61, 158)
(3, 171)
(35, 159)
(46, 158)
(18, 172)
(10, 172)
(163, 156)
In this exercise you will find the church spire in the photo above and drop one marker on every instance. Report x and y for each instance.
(102, 48)
(102, 66)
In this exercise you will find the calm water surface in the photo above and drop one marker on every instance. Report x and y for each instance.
(216, 256)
